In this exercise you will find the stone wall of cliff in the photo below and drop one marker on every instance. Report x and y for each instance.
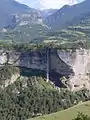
(79, 61)
(73, 64)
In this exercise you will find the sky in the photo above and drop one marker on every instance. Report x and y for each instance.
(47, 4)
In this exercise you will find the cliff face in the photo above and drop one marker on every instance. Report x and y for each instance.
(23, 59)
(75, 65)
(79, 61)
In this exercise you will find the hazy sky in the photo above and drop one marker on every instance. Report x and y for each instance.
(46, 4)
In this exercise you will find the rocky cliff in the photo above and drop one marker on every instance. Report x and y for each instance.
(74, 65)
(79, 61)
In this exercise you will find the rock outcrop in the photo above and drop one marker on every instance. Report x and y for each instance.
(11, 81)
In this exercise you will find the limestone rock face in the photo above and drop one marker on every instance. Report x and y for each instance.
(79, 61)
(73, 64)
(23, 59)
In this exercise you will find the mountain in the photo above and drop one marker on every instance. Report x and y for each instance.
(24, 24)
(20, 23)
(11, 10)
(47, 12)
(76, 31)
(67, 15)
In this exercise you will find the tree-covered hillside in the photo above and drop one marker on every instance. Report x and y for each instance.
(24, 33)
(31, 97)
(28, 97)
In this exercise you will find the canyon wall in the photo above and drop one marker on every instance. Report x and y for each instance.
(74, 65)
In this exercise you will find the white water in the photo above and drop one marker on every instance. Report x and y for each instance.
(47, 66)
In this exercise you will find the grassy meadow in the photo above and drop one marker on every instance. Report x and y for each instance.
(68, 114)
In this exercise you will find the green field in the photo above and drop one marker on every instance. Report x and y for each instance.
(68, 114)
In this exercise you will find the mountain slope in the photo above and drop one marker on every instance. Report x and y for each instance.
(19, 23)
(23, 33)
(76, 30)
(66, 14)
(9, 8)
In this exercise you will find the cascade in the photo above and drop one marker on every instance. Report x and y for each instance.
(47, 65)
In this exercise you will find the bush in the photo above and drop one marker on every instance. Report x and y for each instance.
(81, 116)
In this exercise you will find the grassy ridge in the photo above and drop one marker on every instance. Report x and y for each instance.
(68, 114)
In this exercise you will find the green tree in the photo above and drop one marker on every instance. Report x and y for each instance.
(81, 116)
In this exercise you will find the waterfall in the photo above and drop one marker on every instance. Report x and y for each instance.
(47, 59)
